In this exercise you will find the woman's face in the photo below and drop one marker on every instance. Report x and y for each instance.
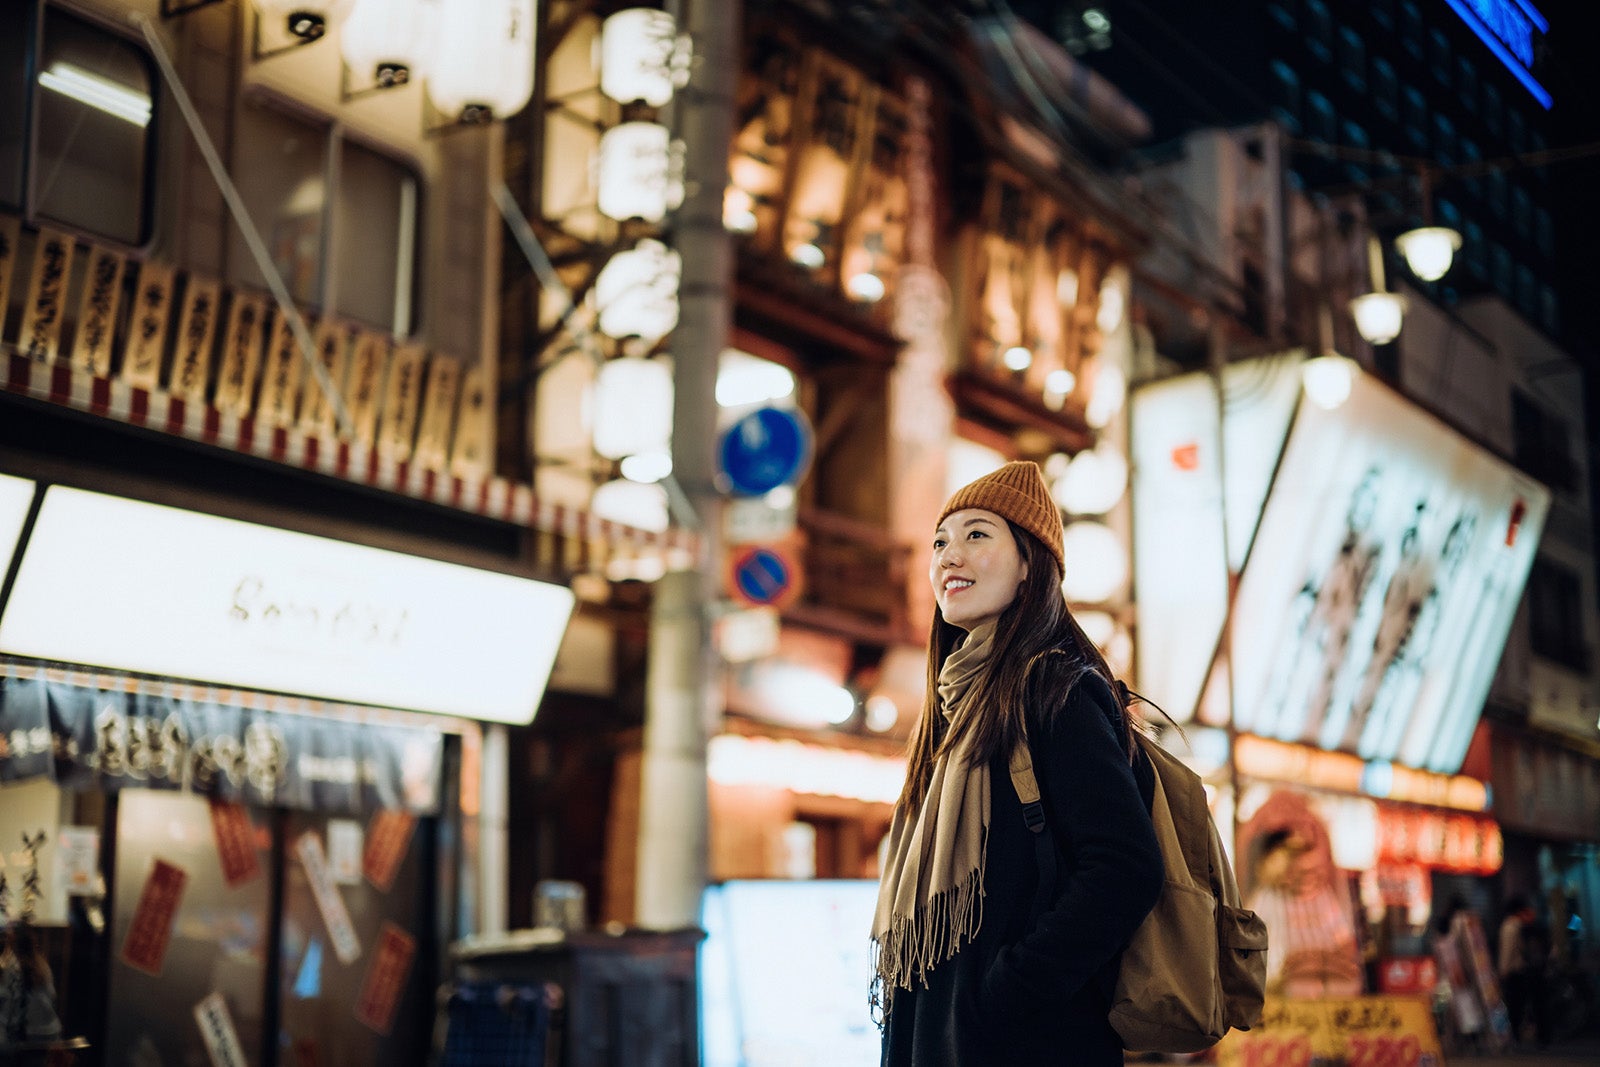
(976, 568)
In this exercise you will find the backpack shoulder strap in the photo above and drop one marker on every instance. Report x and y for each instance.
(1183, 796)
(1044, 847)
(1027, 786)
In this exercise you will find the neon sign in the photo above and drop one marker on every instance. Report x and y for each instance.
(1508, 27)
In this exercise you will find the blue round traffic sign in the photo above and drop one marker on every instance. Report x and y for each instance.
(765, 449)
(762, 576)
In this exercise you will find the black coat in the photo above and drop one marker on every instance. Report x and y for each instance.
(1024, 993)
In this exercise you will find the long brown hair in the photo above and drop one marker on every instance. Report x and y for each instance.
(1038, 645)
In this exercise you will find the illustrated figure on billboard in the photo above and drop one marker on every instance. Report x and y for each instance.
(1290, 881)
(1323, 614)
(1411, 615)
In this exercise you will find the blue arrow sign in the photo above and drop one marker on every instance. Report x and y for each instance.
(767, 448)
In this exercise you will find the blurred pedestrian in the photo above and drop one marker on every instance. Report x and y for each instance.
(974, 964)
(1522, 955)
(27, 988)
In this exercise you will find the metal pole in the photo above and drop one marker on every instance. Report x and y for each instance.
(681, 698)
(1217, 363)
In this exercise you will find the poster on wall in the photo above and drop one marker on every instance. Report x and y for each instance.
(1376, 599)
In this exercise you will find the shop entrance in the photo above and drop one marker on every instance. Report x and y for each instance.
(298, 979)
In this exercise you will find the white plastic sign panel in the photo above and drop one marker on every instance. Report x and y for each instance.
(133, 586)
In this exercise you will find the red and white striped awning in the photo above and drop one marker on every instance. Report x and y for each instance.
(586, 535)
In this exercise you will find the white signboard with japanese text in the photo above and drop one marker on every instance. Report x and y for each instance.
(127, 585)
(1377, 598)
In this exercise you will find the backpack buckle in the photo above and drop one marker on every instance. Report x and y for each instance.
(1033, 815)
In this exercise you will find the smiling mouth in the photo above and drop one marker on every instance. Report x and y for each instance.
(956, 585)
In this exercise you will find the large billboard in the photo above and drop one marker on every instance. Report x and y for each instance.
(1190, 435)
(1379, 591)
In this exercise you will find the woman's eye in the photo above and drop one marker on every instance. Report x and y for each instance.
(938, 543)
(978, 533)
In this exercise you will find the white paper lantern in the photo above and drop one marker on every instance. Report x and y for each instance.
(1113, 301)
(305, 19)
(1096, 563)
(632, 504)
(744, 380)
(642, 57)
(1094, 481)
(639, 175)
(1098, 626)
(633, 407)
(637, 292)
(1110, 392)
(483, 59)
(389, 41)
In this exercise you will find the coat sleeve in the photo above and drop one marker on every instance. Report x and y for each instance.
(1112, 873)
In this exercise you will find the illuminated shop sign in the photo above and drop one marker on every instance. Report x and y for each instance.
(1377, 598)
(1469, 844)
(16, 494)
(155, 590)
(1512, 29)
(1339, 772)
(1178, 445)
(814, 770)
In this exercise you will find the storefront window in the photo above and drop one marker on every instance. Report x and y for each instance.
(169, 878)
(1416, 108)
(375, 238)
(352, 253)
(318, 989)
(13, 111)
(1555, 614)
(1319, 30)
(173, 901)
(1353, 59)
(1385, 88)
(91, 113)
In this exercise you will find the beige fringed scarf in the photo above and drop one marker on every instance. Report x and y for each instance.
(930, 901)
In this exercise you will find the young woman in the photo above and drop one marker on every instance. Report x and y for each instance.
(976, 962)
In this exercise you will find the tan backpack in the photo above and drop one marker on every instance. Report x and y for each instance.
(1197, 965)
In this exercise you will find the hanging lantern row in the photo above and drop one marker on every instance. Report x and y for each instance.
(638, 173)
(304, 20)
(475, 56)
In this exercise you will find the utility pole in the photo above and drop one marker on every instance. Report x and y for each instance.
(682, 700)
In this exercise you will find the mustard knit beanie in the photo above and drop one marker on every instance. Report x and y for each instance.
(1016, 492)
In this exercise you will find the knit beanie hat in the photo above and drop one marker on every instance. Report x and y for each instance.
(1016, 492)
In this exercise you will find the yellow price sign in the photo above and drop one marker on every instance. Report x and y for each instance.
(1347, 1031)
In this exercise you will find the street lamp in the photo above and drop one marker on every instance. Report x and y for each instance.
(1378, 314)
(1329, 378)
(1429, 250)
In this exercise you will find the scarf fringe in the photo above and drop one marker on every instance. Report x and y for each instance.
(914, 944)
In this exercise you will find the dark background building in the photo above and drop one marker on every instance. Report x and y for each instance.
(1482, 115)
